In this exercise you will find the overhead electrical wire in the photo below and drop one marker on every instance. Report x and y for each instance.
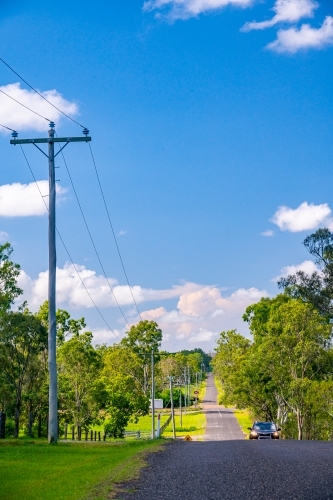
(4, 126)
(41, 95)
(24, 106)
(66, 249)
(112, 230)
(101, 190)
(91, 238)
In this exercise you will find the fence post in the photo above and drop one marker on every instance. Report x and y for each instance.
(104, 437)
(73, 433)
(86, 435)
(2, 425)
(91, 435)
(65, 431)
(95, 434)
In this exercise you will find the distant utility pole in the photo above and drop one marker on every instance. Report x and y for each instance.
(180, 407)
(53, 385)
(152, 396)
(172, 410)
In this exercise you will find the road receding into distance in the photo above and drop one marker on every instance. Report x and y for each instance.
(225, 466)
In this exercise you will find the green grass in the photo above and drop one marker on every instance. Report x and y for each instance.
(220, 391)
(144, 423)
(193, 424)
(38, 471)
(245, 420)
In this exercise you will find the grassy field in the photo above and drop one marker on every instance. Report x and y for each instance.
(193, 424)
(38, 471)
(245, 420)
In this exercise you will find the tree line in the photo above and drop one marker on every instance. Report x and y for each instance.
(97, 384)
(284, 372)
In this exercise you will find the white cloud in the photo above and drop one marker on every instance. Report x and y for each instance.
(3, 236)
(303, 218)
(268, 232)
(289, 11)
(105, 336)
(18, 118)
(202, 314)
(308, 267)
(184, 9)
(23, 200)
(71, 291)
(122, 232)
(293, 39)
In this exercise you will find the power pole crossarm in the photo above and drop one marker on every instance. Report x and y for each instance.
(52, 339)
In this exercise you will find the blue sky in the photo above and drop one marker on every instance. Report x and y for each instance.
(203, 125)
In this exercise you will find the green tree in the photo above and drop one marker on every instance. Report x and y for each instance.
(9, 272)
(22, 338)
(66, 326)
(315, 288)
(125, 404)
(142, 339)
(296, 353)
(79, 367)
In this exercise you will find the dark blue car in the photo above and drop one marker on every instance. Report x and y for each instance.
(264, 430)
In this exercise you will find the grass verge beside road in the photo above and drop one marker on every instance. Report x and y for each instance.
(38, 471)
(245, 420)
(193, 424)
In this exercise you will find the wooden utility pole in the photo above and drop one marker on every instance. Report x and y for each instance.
(52, 359)
(152, 396)
(172, 411)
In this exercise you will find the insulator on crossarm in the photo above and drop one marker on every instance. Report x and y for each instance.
(85, 131)
(14, 134)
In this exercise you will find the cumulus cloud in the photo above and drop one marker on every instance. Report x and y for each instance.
(306, 37)
(18, 118)
(305, 217)
(23, 200)
(184, 9)
(286, 11)
(202, 314)
(308, 267)
(72, 292)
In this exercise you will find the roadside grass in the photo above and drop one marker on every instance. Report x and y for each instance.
(193, 424)
(143, 424)
(68, 471)
(202, 391)
(245, 420)
(220, 391)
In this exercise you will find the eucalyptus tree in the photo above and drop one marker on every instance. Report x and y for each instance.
(22, 338)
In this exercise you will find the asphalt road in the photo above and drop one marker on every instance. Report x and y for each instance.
(227, 467)
(221, 423)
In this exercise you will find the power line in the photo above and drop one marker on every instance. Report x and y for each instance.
(91, 238)
(41, 95)
(20, 103)
(113, 232)
(66, 249)
(4, 126)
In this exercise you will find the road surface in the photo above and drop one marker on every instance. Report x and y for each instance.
(227, 467)
(221, 423)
